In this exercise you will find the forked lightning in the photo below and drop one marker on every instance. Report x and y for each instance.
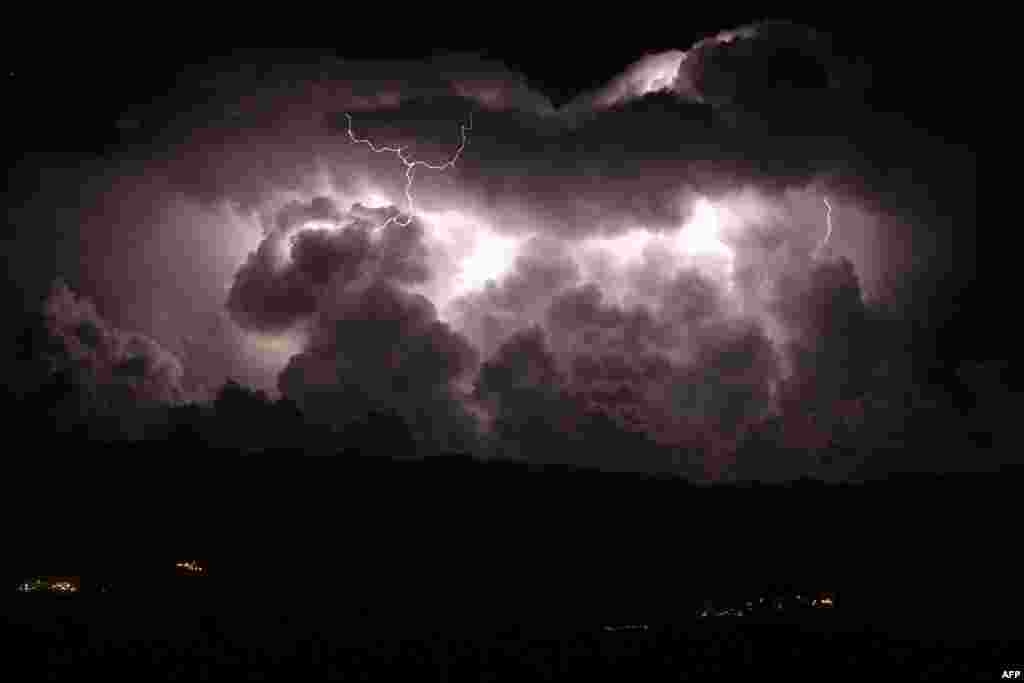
(410, 166)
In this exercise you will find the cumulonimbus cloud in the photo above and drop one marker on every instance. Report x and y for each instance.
(592, 276)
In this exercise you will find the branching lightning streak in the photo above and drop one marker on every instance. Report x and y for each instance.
(410, 166)
(828, 231)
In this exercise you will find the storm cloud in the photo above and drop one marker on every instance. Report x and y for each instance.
(377, 349)
(109, 356)
(649, 260)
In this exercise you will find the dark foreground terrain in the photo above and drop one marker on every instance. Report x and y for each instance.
(151, 642)
(455, 570)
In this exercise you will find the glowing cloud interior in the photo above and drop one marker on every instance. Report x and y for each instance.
(700, 240)
(468, 253)
(492, 257)
(698, 243)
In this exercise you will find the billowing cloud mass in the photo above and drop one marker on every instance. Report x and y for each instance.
(112, 382)
(638, 279)
(110, 357)
(283, 281)
(375, 349)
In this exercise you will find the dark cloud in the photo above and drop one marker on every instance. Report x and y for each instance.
(373, 348)
(737, 366)
(580, 320)
(89, 333)
(285, 279)
(91, 378)
(755, 65)
(321, 255)
(522, 363)
(267, 296)
(689, 299)
(592, 414)
(599, 366)
(689, 373)
(378, 348)
(834, 344)
(628, 363)
(542, 269)
(401, 256)
(525, 392)
(132, 362)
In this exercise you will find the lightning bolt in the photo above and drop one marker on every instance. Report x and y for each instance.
(828, 231)
(411, 165)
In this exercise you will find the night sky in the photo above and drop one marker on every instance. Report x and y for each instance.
(732, 250)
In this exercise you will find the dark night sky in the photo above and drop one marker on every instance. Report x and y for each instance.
(123, 151)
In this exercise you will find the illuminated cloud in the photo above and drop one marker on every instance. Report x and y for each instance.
(111, 357)
(491, 258)
(653, 73)
(744, 66)
(653, 247)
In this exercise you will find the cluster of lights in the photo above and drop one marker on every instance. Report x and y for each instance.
(39, 585)
(776, 604)
(727, 612)
(32, 586)
(191, 566)
(627, 627)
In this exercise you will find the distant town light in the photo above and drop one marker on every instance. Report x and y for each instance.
(52, 584)
(191, 566)
(627, 627)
